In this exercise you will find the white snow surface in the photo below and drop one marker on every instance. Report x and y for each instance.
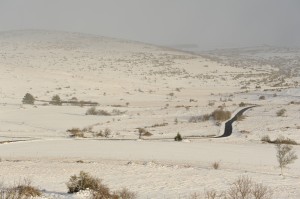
(155, 88)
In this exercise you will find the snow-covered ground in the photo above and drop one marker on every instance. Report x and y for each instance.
(154, 88)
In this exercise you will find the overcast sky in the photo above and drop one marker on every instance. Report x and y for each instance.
(208, 23)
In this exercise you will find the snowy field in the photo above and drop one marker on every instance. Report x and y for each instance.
(141, 86)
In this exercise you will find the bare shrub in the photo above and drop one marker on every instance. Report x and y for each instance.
(221, 115)
(91, 111)
(211, 194)
(75, 132)
(124, 194)
(284, 140)
(102, 192)
(94, 111)
(216, 165)
(259, 191)
(241, 188)
(107, 132)
(143, 132)
(279, 140)
(202, 118)
(84, 181)
(281, 112)
(195, 119)
(98, 189)
(285, 155)
(28, 99)
(22, 190)
(265, 138)
(195, 196)
(117, 112)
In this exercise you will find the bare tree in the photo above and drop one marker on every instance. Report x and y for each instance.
(285, 155)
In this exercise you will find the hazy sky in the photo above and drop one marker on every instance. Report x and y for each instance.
(208, 23)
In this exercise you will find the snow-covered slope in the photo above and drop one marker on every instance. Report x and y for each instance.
(138, 86)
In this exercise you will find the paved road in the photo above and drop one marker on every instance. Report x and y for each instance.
(228, 124)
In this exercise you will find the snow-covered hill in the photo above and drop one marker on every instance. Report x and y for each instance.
(141, 86)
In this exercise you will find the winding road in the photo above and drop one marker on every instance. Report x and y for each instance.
(228, 124)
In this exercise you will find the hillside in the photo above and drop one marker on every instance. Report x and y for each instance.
(123, 102)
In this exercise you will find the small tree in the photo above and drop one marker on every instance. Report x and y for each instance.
(56, 100)
(178, 137)
(28, 99)
(285, 155)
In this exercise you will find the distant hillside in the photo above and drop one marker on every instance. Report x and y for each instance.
(285, 59)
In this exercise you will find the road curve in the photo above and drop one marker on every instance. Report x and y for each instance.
(228, 124)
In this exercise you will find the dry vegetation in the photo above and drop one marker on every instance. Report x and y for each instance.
(88, 132)
(99, 190)
(242, 188)
(279, 140)
(94, 111)
(23, 190)
(221, 115)
(218, 115)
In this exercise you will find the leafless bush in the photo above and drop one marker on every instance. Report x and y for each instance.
(98, 189)
(202, 118)
(285, 155)
(266, 138)
(284, 140)
(107, 132)
(76, 132)
(124, 194)
(211, 194)
(85, 181)
(20, 191)
(259, 191)
(143, 132)
(94, 111)
(195, 196)
(241, 188)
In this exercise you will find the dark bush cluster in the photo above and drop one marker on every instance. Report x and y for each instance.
(28, 99)
(178, 137)
(94, 111)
